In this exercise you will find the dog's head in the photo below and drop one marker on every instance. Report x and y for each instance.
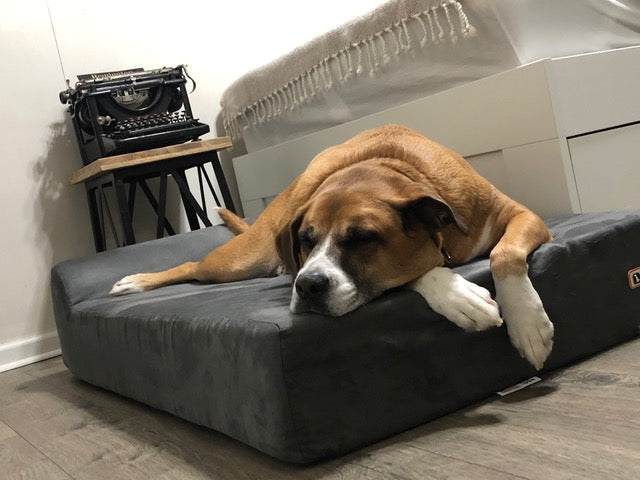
(365, 230)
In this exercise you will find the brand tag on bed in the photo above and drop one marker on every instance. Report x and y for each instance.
(634, 277)
(519, 386)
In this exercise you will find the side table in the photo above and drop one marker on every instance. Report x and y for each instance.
(134, 169)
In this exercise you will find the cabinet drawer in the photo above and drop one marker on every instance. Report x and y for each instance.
(606, 166)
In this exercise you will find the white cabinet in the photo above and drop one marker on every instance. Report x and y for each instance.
(606, 167)
(538, 175)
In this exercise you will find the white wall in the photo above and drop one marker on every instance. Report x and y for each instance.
(44, 220)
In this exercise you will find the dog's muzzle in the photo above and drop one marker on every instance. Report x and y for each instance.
(316, 291)
(321, 286)
(311, 292)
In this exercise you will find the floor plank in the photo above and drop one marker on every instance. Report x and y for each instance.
(624, 359)
(21, 460)
(580, 422)
(410, 462)
(5, 431)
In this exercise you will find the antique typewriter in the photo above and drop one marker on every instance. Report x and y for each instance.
(131, 110)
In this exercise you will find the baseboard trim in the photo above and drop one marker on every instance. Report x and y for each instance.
(29, 350)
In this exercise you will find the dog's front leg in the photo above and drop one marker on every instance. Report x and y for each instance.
(528, 325)
(250, 254)
(462, 302)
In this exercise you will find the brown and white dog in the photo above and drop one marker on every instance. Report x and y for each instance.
(385, 209)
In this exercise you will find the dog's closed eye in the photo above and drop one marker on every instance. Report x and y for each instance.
(307, 238)
(357, 236)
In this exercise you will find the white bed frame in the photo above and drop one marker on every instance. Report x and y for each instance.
(558, 135)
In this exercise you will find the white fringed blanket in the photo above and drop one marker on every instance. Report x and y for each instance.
(363, 45)
(406, 49)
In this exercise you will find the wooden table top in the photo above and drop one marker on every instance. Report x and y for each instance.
(107, 164)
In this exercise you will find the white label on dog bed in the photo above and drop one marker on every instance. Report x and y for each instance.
(634, 277)
(519, 386)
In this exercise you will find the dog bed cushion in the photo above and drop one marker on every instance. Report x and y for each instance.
(301, 388)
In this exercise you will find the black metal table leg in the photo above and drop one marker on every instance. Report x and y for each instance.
(154, 204)
(210, 185)
(162, 205)
(203, 201)
(132, 196)
(222, 182)
(123, 210)
(104, 208)
(187, 199)
(94, 215)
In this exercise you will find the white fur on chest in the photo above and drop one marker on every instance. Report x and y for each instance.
(483, 243)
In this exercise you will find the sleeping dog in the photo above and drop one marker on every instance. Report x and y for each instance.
(387, 208)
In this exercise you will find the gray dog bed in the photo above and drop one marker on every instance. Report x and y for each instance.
(305, 387)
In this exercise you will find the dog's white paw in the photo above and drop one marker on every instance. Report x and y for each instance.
(464, 303)
(126, 286)
(529, 327)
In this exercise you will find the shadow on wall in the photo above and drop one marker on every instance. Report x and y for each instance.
(60, 208)
(62, 229)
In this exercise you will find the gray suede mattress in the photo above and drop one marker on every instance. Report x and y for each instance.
(305, 387)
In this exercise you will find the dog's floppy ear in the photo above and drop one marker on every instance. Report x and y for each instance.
(288, 245)
(420, 203)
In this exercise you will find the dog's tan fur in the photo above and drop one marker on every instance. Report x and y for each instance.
(419, 197)
(234, 223)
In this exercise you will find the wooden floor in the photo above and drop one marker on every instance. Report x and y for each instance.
(582, 422)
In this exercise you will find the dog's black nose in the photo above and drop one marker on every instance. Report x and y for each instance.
(311, 285)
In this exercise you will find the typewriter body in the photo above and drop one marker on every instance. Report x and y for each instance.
(131, 110)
